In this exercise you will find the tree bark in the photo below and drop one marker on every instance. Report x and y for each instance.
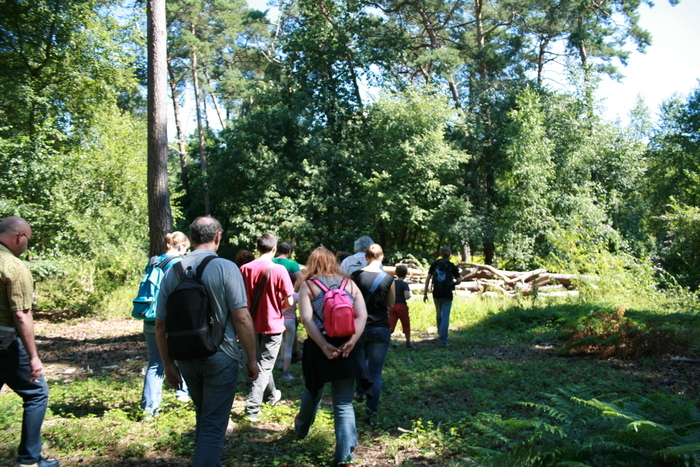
(200, 130)
(159, 213)
(181, 143)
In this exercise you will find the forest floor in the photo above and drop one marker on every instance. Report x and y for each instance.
(481, 372)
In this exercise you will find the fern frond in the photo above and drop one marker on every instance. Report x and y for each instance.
(683, 450)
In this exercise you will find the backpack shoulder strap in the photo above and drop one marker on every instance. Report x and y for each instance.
(168, 259)
(203, 264)
(178, 269)
(320, 284)
(324, 289)
(259, 288)
(378, 280)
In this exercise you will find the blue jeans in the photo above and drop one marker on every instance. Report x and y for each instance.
(343, 417)
(212, 384)
(153, 381)
(375, 341)
(268, 346)
(443, 306)
(14, 371)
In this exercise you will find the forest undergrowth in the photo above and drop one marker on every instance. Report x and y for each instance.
(523, 382)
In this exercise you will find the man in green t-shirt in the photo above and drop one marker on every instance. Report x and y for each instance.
(20, 366)
(284, 253)
(290, 344)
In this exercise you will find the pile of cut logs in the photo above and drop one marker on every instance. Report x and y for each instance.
(488, 281)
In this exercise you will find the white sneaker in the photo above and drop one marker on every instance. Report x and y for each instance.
(276, 397)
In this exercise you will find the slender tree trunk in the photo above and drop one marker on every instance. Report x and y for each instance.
(349, 59)
(159, 214)
(200, 131)
(435, 44)
(219, 114)
(181, 146)
(480, 35)
(544, 43)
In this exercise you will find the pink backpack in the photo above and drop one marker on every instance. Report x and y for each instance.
(338, 312)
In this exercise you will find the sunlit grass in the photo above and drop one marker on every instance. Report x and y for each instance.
(502, 353)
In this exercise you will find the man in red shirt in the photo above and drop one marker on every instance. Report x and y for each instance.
(270, 291)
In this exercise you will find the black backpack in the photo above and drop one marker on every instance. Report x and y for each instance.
(443, 282)
(190, 325)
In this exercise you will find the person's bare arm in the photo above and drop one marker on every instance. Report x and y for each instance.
(425, 290)
(360, 319)
(243, 323)
(307, 318)
(391, 296)
(172, 373)
(299, 279)
(24, 322)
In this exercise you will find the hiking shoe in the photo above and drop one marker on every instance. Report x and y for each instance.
(42, 463)
(296, 429)
(409, 345)
(287, 375)
(276, 397)
(253, 417)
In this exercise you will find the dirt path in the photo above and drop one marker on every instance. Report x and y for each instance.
(76, 348)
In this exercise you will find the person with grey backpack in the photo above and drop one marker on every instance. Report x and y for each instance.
(378, 290)
(211, 378)
(444, 276)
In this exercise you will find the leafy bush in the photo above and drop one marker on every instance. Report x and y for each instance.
(679, 249)
(97, 285)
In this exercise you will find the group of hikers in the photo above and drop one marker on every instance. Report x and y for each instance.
(349, 309)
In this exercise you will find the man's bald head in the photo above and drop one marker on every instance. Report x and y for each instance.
(15, 233)
(13, 224)
(204, 230)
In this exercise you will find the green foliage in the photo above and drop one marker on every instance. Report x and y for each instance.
(679, 251)
(410, 191)
(523, 184)
(641, 431)
(674, 153)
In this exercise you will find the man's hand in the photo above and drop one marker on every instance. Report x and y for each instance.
(425, 297)
(36, 368)
(172, 374)
(253, 370)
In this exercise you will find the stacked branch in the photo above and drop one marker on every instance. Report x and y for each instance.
(487, 280)
(482, 278)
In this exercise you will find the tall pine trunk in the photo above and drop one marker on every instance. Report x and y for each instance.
(159, 214)
(200, 130)
(181, 143)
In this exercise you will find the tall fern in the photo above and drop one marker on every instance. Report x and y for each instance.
(660, 430)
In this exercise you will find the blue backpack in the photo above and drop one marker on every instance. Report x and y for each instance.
(146, 300)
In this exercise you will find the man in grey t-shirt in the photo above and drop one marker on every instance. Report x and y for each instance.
(212, 380)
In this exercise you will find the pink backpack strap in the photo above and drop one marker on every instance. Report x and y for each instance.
(319, 284)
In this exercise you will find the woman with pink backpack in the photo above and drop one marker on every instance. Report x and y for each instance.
(329, 356)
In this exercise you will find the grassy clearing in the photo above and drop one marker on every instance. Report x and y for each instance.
(503, 393)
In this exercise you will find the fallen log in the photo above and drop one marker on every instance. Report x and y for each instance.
(495, 271)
